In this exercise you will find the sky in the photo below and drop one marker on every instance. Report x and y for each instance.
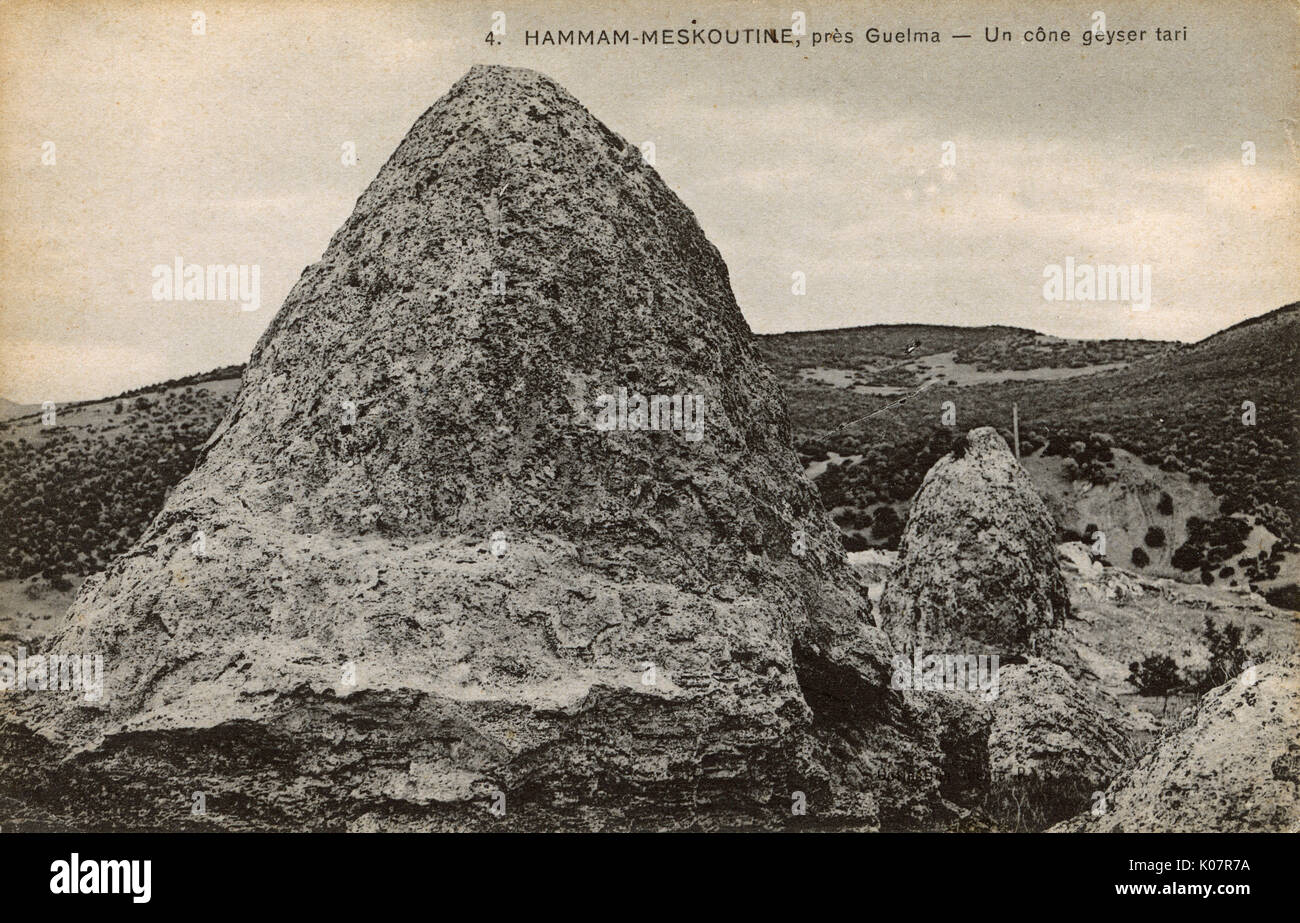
(226, 147)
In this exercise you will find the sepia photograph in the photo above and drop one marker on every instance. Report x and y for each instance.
(432, 417)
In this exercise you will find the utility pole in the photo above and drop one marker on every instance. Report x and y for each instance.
(1015, 428)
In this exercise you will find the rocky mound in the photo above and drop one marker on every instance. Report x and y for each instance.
(1230, 764)
(1033, 750)
(1053, 742)
(441, 567)
(977, 575)
(977, 569)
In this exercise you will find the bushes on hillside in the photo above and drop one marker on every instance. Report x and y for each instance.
(1285, 597)
(72, 503)
(1210, 543)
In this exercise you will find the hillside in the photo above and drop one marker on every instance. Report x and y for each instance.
(1176, 408)
(10, 409)
(1108, 429)
(898, 356)
(76, 493)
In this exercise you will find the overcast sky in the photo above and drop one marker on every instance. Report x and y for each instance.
(225, 148)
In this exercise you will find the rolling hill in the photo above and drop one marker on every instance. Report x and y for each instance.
(1178, 412)
(1123, 436)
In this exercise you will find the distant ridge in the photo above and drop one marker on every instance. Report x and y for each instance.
(1275, 314)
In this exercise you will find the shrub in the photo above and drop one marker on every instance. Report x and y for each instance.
(1095, 473)
(885, 524)
(1156, 675)
(1228, 655)
(1285, 597)
(1140, 557)
(1186, 557)
(1166, 505)
(1233, 504)
(854, 542)
(1155, 537)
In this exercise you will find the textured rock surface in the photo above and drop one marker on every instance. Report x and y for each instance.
(429, 581)
(1230, 764)
(1059, 739)
(977, 570)
(1035, 753)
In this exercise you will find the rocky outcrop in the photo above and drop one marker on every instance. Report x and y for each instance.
(977, 569)
(1053, 742)
(1033, 751)
(417, 581)
(978, 575)
(1230, 764)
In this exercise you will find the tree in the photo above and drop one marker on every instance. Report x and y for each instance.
(886, 525)
(1140, 557)
(1155, 537)
(1156, 675)
(1228, 655)
(1233, 504)
(1186, 557)
(1166, 505)
(854, 542)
